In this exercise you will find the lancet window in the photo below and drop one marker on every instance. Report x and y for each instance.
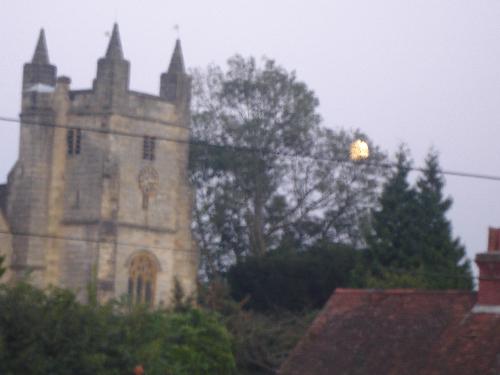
(148, 150)
(74, 141)
(142, 280)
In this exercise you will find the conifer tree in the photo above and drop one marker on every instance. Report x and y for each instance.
(411, 243)
(394, 242)
(442, 255)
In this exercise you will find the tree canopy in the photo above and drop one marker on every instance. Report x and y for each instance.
(443, 255)
(286, 279)
(51, 333)
(266, 173)
(411, 243)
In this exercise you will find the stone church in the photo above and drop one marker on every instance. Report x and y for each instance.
(99, 196)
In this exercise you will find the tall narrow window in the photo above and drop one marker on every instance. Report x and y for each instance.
(139, 292)
(70, 141)
(130, 287)
(149, 293)
(142, 280)
(74, 141)
(148, 150)
(78, 141)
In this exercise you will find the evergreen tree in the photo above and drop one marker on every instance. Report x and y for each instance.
(393, 243)
(411, 244)
(442, 255)
(287, 279)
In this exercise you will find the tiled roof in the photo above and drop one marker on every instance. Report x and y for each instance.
(399, 332)
(470, 347)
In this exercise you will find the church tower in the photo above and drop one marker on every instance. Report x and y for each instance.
(100, 196)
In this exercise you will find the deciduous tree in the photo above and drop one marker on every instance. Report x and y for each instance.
(276, 175)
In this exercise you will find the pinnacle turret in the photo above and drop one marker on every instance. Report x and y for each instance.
(114, 51)
(39, 70)
(177, 61)
(175, 84)
(111, 83)
(41, 55)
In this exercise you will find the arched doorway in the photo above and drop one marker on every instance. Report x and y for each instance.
(142, 279)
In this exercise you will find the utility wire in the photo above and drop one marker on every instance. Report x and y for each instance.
(202, 143)
(141, 246)
(195, 142)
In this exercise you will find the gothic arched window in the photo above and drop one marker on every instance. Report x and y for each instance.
(142, 279)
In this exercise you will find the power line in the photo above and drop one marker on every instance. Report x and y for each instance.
(142, 246)
(195, 142)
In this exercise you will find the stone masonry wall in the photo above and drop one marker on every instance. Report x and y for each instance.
(5, 247)
(79, 219)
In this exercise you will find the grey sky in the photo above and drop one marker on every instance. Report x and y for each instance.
(423, 72)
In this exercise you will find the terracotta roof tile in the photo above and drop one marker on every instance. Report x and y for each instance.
(394, 332)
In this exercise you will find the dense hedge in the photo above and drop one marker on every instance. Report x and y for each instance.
(51, 333)
(292, 280)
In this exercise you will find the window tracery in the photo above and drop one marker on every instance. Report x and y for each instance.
(142, 279)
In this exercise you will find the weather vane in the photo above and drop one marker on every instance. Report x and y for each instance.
(177, 30)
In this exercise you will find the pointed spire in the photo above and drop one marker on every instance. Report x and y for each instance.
(177, 60)
(41, 56)
(114, 51)
(175, 84)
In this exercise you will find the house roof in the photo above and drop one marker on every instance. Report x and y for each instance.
(470, 347)
(399, 332)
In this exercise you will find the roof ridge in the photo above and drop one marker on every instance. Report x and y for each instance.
(397, 291)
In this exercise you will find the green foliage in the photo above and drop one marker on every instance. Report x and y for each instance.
(49, 333)
(191, 342)
(54, 334)
(391, 279)
(202, 344)
(442, 255)
(279, 177)
(411, 243)
(292, 280)
(261, 341)
(395, 241)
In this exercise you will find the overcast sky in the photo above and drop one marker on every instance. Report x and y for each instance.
(425, 72)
